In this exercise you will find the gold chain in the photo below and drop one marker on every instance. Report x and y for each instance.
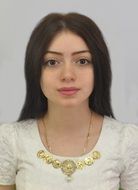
(68, 167)
(85, 144)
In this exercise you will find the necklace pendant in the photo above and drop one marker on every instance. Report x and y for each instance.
(68, 167)
(69, 178)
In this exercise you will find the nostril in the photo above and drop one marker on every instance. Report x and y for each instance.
(68, 79)
(68, 75)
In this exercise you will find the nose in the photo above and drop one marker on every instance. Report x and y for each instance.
(68, 73)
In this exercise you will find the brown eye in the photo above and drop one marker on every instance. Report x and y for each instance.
(83, 61)
(51, 62)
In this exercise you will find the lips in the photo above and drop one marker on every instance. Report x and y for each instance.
(68, 90)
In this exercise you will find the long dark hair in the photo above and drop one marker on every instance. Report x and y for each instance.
(35, 105)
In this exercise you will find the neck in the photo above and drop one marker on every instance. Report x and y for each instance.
(68, 120)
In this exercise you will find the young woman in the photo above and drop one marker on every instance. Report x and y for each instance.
(66, 136)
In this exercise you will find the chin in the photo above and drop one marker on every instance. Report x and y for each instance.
(70, 103)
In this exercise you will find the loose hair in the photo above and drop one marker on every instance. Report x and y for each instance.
(36, 105)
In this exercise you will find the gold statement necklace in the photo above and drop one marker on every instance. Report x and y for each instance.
(69, 166)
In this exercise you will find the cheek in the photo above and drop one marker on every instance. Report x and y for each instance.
(43, 82)
(89, 78)
(47, 80)
(44, 87)
(89, 82)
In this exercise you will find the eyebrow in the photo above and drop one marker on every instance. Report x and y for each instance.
(74, 53)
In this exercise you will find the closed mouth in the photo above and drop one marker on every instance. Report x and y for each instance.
(68, 91)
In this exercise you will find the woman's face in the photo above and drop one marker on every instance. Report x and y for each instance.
(67, 77)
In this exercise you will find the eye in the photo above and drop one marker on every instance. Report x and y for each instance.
(51, 62)
(83, 61)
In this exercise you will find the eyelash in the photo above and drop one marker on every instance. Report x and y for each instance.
(84, 59)
(48, 61)
(56, 61)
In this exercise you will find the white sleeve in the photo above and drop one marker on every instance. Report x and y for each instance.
(129, 176)
(7, 155)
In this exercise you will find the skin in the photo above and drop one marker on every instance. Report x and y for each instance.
(67, 64)
(68, 117)
(68, 69)
(7, 187)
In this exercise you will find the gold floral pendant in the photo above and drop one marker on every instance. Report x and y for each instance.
(68, 167)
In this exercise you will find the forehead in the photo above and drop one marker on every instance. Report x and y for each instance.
(67, 41)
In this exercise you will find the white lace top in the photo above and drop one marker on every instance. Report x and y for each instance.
(118, 145)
